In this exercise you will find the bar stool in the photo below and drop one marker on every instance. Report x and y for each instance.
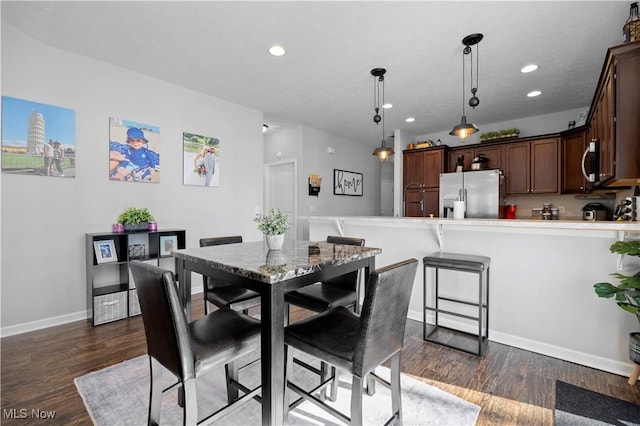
(463, 263)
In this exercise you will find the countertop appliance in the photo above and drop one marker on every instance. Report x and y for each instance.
(481, 162)
(482, 191)
(596, 211)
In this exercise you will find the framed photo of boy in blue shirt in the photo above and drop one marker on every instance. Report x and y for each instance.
(133, 151)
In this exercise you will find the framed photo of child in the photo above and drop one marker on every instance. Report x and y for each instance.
(134, 151)
(105, 251)
(168, 244)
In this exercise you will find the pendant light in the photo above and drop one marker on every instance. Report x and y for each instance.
(464, 129)
(383, 152)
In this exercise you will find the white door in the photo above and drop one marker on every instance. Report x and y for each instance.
(280, 191)
(386, 197)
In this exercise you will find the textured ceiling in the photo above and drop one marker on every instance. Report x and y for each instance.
(324, 81)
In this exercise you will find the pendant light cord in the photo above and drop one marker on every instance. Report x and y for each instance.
(463, 85)
(382, 81)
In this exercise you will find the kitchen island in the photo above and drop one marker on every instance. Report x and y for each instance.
(542, 276)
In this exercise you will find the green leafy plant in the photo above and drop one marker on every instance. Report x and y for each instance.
(134, 216)
(274, 223)
(627, 293)
(500, 133)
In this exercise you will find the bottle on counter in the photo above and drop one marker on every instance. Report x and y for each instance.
(631, 28)
(546, 211)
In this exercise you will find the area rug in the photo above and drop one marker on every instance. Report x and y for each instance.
(579, 406)
(118, 395)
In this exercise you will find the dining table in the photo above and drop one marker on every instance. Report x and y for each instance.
(271, 273)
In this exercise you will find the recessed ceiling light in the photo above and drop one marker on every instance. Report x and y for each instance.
(410, 120)
(529, 68)
(265, 128)
(277, 50)
(534, 93)
(387, 106)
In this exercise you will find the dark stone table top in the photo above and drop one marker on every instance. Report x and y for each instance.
(255, 261)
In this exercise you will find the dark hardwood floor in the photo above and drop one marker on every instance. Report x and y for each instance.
(513, 386)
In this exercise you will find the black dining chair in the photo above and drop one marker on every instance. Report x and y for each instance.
(339, 291)
(222, 294)
(343, 290)
(358, 344)
(189, 350)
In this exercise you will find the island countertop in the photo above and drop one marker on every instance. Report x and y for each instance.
(588, 225)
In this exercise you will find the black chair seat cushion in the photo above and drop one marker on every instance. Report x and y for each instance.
(225, 296)
(216, 335)
(331, 336)
(320, 297)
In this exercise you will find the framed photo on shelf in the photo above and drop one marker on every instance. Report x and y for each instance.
(168, 243)
(105, 251)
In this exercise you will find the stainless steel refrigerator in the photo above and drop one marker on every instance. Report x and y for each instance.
(482, 191)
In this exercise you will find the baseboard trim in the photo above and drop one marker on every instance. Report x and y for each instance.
(26, 327)
(593, 361)
(605, 364)
(12, 330)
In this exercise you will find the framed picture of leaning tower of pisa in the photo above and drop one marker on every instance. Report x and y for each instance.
(38, 139)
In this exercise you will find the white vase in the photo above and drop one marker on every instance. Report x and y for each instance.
(275, 258)
(274, 242)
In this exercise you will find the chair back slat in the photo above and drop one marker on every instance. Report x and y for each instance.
(218, 241)
(164, 320)
(349, 280)
(384, 315)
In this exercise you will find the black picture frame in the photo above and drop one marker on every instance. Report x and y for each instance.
(347, 183)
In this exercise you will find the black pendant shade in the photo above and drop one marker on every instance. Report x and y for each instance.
(464, 129)
(383, 152)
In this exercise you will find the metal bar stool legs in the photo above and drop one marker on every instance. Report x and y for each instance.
(444, 305)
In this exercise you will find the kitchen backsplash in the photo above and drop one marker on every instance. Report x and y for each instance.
(572, 205)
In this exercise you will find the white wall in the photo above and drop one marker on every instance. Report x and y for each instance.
(308, 146)
(44, 220)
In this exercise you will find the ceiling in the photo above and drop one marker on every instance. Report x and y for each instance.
(324, 81)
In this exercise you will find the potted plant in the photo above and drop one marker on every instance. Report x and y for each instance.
(273, 225)
(627, 293)
(135, 219)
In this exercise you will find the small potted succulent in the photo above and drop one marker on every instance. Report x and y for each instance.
(627, 293)
(273, 225)
(135, 219)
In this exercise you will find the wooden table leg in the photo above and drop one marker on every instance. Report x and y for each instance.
(633, 378)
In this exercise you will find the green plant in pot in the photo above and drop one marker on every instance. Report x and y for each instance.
(135, 219)
(627, 293)
(273, 225)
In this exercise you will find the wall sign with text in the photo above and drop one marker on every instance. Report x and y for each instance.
(347, 183)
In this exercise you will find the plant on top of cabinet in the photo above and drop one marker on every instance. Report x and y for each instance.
(627, 297)
(135, 218)
(499, 134)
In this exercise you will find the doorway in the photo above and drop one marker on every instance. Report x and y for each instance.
(280, 192)
(386, 197)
